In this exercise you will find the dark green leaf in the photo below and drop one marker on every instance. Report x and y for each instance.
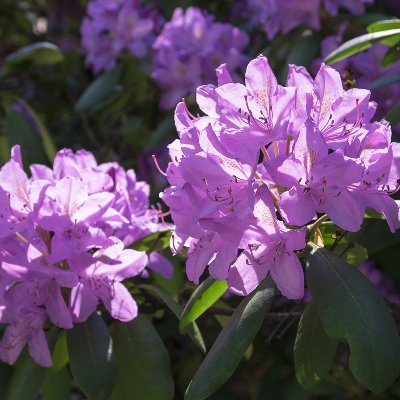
(35, 54)
(192, 330)
(19, 131)
(57, 385)
(26, 379)
(5, 374)
(391, 56)
(143, 364)
(314, 350)
(205, 295)
(91, 357)
(47, 141)
(359, 44)
(351, 309)
(98, 90)
(393, 116)
(231, 344)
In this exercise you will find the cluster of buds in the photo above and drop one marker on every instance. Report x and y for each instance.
(266, 161)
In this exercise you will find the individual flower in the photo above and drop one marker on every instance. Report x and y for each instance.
(188, 50)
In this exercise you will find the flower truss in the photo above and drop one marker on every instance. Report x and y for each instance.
(266, 161)
(63, 237)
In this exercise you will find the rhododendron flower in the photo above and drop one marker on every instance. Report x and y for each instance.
(264, 162)
(188, 50)
(60, 255)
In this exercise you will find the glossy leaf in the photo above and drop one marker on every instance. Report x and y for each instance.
(385, 25)
(143, 364)
(314, 350)
(391, 56)
(205, 295)
(351, 309)
(231, 344)
(359, 44)
(393, 116)
(92, 359)
(192, 330)
(98, 90)
(5, 374)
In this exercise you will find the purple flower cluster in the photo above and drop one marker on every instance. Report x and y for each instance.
(114, 26)
(265, 161)
(63, 236)
(188, 50)
(283, 16)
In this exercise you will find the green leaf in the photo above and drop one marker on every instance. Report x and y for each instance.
(5, 374)
(351, 309)
(391, 56)
(91, 357)
(57, 385)
(47, 141)
(361, 43)
(27, 376)
(26, 379)
(385, 25)
(231, 344)
(154, 242)
(98, 90)
(314, 350)
(192, 330)
(205, 295)
(393, 116)
(143, 364)
(60, 353)
(19, 131)
(40, 53)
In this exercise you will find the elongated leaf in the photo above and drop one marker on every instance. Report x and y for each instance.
(57, 385)
(19, 131)
(26, 379)
(48, 144)
(359, 44)
(35, 54)
(98, 90)
(27, 376)
(314, 350)
(351, 309)
(143, 365)
(5, 375)
(201, 300)
(385, 25)
(92, 359)
(231, 344)
(192, 330)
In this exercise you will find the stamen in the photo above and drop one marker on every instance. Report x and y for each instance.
(157, 165)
